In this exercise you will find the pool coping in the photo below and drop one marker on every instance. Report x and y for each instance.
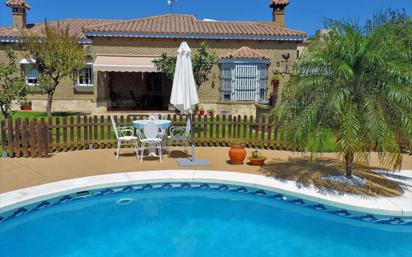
(383, 206)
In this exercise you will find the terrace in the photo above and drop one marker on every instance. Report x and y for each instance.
(75, 147)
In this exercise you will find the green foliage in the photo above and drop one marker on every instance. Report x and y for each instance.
(256, 155)
(12, 87)
(166, 64)
(203, 61)
(357, 84)
(58, 56)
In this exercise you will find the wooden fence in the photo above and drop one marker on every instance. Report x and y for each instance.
(40, 138)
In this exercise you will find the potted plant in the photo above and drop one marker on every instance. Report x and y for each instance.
(25, 105)
(237, 153)
(201, 111)
(257, 159)
(210, 112)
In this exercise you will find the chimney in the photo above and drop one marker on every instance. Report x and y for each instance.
(278, 7)
(19, 9)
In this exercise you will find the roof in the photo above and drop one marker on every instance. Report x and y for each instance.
(278, 2)
(179, 25)
(75, 28)
(18, 3)
(165, 26)
(244, 53)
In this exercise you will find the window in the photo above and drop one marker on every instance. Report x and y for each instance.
(244, 80)
(30, 72)
(85, 76)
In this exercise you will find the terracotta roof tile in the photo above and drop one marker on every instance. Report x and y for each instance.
(18, 3)
(75, 27)
(188, 24)
(244, 53)
(163, 25)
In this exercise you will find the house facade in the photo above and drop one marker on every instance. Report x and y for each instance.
(119, 74)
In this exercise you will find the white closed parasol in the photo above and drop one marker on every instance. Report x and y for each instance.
(184, 95)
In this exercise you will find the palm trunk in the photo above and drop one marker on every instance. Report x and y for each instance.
(349, 164)
(49, 104)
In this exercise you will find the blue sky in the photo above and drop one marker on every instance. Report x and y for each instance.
(306, 15)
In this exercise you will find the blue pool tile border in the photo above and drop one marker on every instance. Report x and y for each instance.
(10, 215)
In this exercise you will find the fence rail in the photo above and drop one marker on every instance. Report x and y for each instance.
(40, 138)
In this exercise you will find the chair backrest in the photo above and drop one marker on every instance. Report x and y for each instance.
(153, 117)
(116, 133)
(151, 130)
(188, 128)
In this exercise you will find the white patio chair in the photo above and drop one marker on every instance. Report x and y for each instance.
(150, 136)
(153, 117)
(178, 134)
(163, 116)
(124, 134)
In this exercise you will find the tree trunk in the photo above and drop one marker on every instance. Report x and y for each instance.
(49, 104)
(349, 164)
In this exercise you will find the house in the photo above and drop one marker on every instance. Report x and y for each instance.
(119, 73)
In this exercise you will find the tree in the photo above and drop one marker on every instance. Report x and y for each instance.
(12, 86)
(203, 61)
(357, 84)
(58, 56)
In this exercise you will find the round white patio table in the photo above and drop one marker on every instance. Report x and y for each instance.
(162, 124)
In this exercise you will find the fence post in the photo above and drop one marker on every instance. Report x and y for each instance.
(109, 131)
(102, 124)
(33, 138)
(250, 124)
(25, 137)
(45, 135)
(90, 126)
(39, 146)
(17, 137)
(10, 142)
(224, 130)
(85, 132)
(229, 131)
(3, 139)
(57, 125)
(71, 120)
(217, 129)
(65, 146)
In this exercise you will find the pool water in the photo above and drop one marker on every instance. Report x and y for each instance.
(195, 223)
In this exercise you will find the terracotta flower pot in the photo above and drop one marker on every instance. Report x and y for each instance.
(202, 113)
(26, 108)
(237, 154)
(257, 162)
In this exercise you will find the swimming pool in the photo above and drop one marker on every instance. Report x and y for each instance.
(189, 219)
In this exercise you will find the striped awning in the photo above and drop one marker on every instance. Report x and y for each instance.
(124, 64)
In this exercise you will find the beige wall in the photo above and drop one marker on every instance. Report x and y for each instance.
(209, 92)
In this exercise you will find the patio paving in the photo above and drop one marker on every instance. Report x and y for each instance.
(17, 173)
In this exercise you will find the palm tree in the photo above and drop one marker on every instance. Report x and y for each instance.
(356, 83)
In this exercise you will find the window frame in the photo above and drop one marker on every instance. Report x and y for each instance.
(228, 84)
(25, 72)
(89, 71)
